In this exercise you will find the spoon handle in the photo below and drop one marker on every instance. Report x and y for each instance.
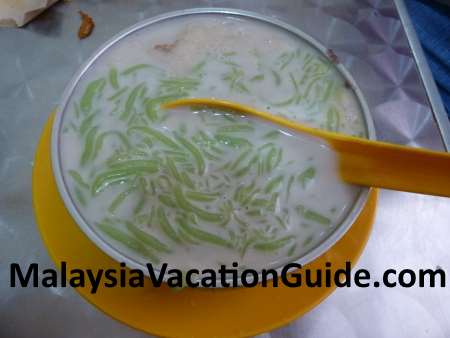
(361, 161)
(391, 166)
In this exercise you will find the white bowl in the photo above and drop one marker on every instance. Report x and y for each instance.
(113, 252)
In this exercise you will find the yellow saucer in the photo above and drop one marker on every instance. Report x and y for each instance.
(191, 312)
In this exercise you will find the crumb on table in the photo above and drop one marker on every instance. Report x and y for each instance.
(86, 26)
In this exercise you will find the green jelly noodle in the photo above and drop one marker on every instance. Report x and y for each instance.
(195, 186)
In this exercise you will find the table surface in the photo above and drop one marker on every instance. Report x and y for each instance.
(410, 231)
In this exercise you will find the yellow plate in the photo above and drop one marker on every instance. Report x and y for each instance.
(191, 312)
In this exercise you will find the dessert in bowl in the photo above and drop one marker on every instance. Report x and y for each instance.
(200, 187)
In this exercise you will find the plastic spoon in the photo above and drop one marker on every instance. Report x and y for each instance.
(362, 161)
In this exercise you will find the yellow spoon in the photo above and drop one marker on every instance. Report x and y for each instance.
(361, 161)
